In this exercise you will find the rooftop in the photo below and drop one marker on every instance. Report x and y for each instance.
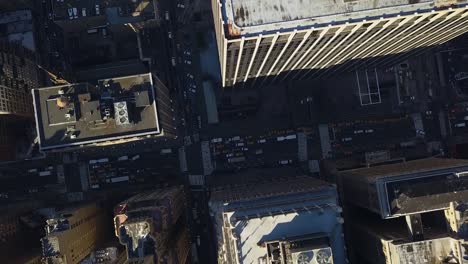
(245, 17)
(117, 11)
(410, 167)
(78, 114)
(407, 188)
(17, 26)
(263, 183)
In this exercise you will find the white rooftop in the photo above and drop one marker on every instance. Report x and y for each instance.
(255, 16)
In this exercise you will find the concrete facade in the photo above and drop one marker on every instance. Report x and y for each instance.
(306, 45)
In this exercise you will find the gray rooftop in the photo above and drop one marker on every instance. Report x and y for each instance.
(79, 114)
(258, 16)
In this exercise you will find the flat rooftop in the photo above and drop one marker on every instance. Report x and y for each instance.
(412, 187)
(410, 167)
(245, 17)
(253, 184)
(116, 11)
(113, 109)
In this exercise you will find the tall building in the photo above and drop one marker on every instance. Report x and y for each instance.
(115, 110)
(276, 216)
(19, 73)
(73, 234)
(16, 242)
(152, 227)
(304, 39)
(407, 212)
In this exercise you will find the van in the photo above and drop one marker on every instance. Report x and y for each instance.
(460, 125)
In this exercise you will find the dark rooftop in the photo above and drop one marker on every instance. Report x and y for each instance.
(410, 187)
(116, 11)
(415, 166)
(82, 113)
(261, 183)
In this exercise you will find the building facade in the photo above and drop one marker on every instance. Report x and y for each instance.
(304, 39)
(290, 219)
(152, 227)
(19, 73)
(15, 102)
(74, 234)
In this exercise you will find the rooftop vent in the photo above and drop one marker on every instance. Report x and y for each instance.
(121, 113)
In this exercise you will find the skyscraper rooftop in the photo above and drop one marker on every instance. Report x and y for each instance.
(265, 211)
(114, 109)
(244, 17)
(407, 188)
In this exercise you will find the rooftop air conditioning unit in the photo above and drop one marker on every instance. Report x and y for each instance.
(121, 113)
(315, 256)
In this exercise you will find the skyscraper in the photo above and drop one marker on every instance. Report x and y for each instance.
(152, 226)
(301, 39)
(276, 216)
(406, 212)
(73, 234)
(15, 112)
(19, 73)
(115, 111)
